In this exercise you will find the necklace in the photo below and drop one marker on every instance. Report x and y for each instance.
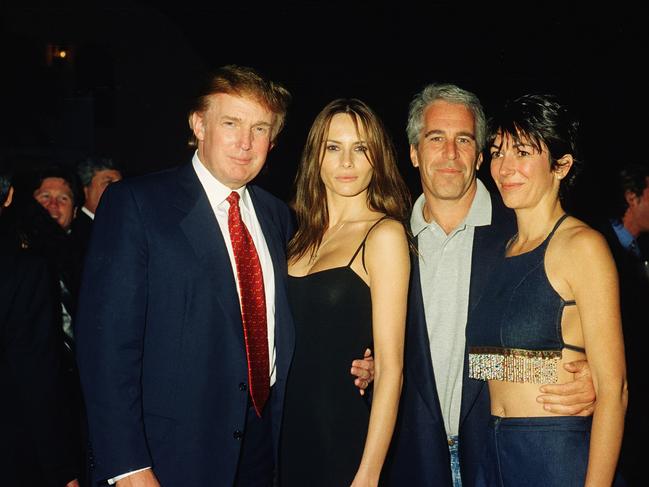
(324, 242)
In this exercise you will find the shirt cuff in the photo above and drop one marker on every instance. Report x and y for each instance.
(124, 475)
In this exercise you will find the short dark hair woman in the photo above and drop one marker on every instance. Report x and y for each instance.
(553, 300)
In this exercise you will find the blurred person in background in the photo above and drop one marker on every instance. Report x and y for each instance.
(95, 174)
(38, 444)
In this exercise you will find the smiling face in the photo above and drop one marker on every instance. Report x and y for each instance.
(447, 154)
(234, 137)
(55, 195)
(345, 168)
(524, 175)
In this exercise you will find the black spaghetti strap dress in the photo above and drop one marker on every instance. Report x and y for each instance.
(325, 418)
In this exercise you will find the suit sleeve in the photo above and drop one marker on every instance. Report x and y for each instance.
(110, 333)
(33, 355)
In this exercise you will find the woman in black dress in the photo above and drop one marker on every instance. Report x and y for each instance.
(348, 285)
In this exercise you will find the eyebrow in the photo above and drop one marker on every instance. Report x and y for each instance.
(48, 192)
(238, 119)
(515, 145)
(459, 134)
(338, 142)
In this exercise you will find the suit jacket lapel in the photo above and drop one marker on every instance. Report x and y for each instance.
(418, 359)
(204, 235)
(482, 263)
(480, 270)
(488, 248)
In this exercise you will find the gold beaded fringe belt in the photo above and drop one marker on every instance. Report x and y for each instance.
(514, 365)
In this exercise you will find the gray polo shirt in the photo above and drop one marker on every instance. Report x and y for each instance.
(445, 271)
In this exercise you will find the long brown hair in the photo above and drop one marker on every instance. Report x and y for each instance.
(387, 193)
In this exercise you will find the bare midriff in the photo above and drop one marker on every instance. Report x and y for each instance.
(519, 399)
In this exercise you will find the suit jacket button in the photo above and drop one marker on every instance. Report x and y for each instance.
(243, 386)
(237, 435)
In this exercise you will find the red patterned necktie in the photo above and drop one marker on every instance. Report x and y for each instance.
(253, 305)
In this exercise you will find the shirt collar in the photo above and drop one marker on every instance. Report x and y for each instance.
(479, 213)
(217, 192)
(417, 222)
(624, 236)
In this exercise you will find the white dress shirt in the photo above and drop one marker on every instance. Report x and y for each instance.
(217, 193)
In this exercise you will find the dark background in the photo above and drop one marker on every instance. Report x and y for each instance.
(131, 68)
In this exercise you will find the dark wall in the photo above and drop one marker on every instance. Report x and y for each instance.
(124, 87)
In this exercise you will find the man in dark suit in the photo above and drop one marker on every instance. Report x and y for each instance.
(36, 442)
(460, 231)
(629, 220)
(184, 331)
(95, 174)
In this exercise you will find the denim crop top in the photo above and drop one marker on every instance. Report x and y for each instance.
(514, 333)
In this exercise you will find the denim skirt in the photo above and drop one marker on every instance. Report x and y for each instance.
(541, 451)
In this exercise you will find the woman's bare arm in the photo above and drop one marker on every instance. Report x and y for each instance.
(590, 272)
(388, 266)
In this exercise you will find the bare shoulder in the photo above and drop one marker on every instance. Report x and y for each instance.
(386, 228)
(387, 239)
(387, 254)
(578, 248)
(386, 231)
(578, 240)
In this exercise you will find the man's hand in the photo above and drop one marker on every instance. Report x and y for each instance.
(72, 483)
(363, 370)
(576, 398)
(143, 478)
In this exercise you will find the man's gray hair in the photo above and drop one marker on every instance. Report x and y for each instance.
(87, 168)
(450, 94)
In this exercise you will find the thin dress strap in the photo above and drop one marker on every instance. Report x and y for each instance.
(574, 348)
(571, 302)
(547, 239)
(362, 245)
(556, 225)
(544, 245)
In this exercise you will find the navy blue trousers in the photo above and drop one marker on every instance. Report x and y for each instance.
(542, 451)
(256, 463)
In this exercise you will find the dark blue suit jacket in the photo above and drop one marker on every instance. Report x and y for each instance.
(160, 340)
(419, 454)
